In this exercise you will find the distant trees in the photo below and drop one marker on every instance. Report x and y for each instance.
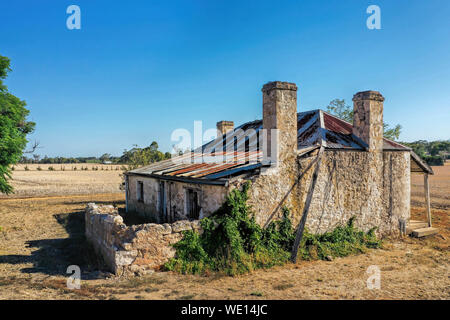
(434, 153)
(14, 128)
(340, 109)
(137, 157)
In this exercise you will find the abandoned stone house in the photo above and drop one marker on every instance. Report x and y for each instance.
(361, 173)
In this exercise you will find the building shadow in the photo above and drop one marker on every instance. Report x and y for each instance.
(53, 256)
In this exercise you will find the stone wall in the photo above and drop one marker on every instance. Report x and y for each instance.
(132, 249)
(349, 184)
(210, 199)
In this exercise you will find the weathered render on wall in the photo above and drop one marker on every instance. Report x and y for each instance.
(132, 249)
(210, 199)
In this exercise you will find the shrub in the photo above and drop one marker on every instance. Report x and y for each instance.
(341, 242)
(38, 168)
(26, 168)
(51, 168)
(233, 243)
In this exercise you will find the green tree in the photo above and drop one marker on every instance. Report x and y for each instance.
(14, 128)
(433, 152)
(138, 157)
(105, 157)
(340, 109)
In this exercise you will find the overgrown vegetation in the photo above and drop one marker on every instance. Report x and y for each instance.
(233, 243)
(341, 242)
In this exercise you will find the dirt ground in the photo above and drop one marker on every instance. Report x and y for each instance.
(41, 237)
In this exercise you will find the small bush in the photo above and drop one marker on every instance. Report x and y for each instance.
(341, 242)
(38, 168)
(51, 168)
(26, 168)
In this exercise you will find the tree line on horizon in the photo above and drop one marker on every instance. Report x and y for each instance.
(135, 157)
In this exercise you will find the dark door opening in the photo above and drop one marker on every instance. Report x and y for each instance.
(162, 202)
(193, 208)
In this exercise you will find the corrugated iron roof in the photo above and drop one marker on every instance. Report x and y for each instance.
(212, 161)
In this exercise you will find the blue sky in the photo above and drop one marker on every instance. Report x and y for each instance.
(137, 70)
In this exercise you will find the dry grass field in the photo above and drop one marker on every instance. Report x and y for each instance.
(41, 236)
(65, 179)
(439, 188)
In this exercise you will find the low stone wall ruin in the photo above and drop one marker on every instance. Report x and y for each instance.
(132, 249)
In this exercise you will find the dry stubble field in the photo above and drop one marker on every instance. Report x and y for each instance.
(40, 236)
(64, 180)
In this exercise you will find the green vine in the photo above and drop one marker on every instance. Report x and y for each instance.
(233, 243)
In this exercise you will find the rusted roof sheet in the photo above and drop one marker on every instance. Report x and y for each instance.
(215, 161)
(193, 166)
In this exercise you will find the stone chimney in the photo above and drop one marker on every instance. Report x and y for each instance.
(280, 120)
(224, 126)
(368, 118)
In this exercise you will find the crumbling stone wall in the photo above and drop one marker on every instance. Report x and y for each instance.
(211, 198)
(132, 249)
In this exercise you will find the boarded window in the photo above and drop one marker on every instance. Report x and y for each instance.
(192, 205)
(140, 191)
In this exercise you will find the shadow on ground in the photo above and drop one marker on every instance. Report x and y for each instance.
(53, 256)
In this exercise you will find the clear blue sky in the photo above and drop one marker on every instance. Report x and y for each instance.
(137, 70)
